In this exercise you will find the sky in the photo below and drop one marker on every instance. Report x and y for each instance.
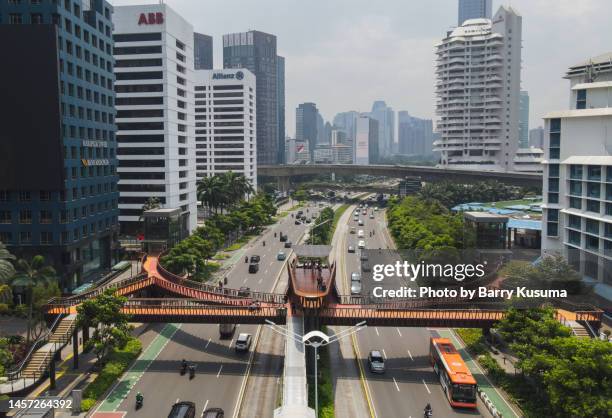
(345, 54)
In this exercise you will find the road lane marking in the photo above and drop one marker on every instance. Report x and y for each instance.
(271, 262)
(231, 342)
(384, 354)
(206, 346)
(398, 331)
(410, 354)
(219, 372)
(396, 386)
(260, 280)
(426, 387)
(376, 329)
(244, 281)
(205, 405)
(266, 272)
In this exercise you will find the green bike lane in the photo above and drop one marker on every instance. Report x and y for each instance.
(140, 366)
(484, 384)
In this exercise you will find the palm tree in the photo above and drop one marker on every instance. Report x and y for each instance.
(6, 267)
(29, 274)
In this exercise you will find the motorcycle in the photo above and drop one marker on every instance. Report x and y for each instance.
(191, 372)
(428, 414)
(139, 401)
(183, 368)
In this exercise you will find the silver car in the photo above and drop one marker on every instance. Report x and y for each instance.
(376, 362)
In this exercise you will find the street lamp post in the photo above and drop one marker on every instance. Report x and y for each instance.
(318, 225)
(316, 339)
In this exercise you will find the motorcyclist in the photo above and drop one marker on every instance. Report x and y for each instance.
(139, 398)
(264, 243)
(275, 235)
(192, 370)
(428, 411)
(184, 364)
(246, 259)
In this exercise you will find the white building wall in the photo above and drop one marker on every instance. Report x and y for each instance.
(177, 85)
(218, 150)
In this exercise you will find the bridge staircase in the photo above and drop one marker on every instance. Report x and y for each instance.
(36, 363)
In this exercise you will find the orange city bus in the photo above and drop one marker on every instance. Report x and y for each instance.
(455, 378)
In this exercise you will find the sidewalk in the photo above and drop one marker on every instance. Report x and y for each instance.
(484, 384)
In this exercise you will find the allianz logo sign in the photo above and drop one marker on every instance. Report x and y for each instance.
(238, 75)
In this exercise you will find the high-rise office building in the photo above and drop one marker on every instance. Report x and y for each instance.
(225, 98)
(578, 175)
(155, 112)
(524, 119)
(415, 135)
(474, 9)
(202, 51)
(479, 74)
(536, 137)
(280, 87)
(256, 51)
(386, 127)
(58, 179)
(306, 123)
(366, 141)
(347, 121)
(320, 129)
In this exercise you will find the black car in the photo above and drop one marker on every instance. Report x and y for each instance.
(288, 244)
(255, 259)
(183, 409)
(244, 292)
(283, 238)
(213, 413)
(298, 222)
(253, 267)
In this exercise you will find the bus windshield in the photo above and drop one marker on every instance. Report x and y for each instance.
(464, 393)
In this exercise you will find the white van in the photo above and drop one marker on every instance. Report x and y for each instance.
(361, 244)
(360, 233)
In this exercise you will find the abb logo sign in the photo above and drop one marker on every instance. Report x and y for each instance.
(151, 18)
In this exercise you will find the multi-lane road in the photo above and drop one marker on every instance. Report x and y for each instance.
(409, 382)
(220, 371)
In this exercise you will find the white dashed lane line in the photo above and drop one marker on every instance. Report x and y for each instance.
(410, 354)
(426, 387)
(399, 332)
(396, 386)
(219, 372)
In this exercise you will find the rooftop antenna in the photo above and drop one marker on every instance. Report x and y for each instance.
(590, 73)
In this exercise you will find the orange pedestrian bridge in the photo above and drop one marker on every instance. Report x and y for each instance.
(311, 292)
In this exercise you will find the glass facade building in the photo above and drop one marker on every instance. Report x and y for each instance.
(256, 51)
(474, 9)
(58, 188)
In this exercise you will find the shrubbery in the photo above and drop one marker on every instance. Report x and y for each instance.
(119, 359)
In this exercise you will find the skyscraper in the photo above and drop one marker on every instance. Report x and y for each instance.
(524, 119)
(155, 113)
(306, 120)
(256, 51)
(536, 137)
(479, 77)
(415, 136)
(280, 87)
(230, 146)
(366, 141)
(474, 9)
(58, 177)
(386, 127)
(202, 51)
(348, 122)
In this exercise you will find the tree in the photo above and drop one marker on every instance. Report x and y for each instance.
(6, 267)
(151, 203)
(111, 325)
(30, 274)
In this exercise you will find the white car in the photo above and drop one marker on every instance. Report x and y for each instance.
(361, 244)
(360, 222)
(360, 233)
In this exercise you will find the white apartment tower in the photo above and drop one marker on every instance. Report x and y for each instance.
(225, 123)
(478, 70)
(577, 210)
(155, 111)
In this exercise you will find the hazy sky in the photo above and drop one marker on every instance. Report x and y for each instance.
(344, 54)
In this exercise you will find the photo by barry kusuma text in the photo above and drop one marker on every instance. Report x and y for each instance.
(477, 278)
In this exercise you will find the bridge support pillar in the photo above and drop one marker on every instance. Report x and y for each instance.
(52, 374)
(333, 176)
(75, 349)
(283, 184)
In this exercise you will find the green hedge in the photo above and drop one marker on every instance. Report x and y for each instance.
(117, 363)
